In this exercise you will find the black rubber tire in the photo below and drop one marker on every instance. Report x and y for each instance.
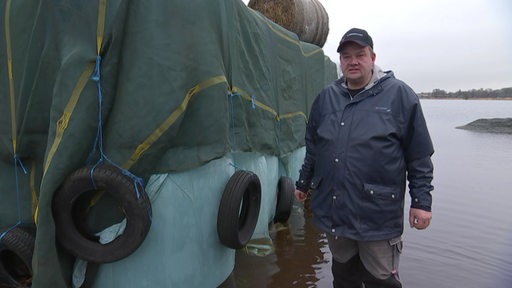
(239, 209)
(16, 250)
(285, 194)
(70, 197)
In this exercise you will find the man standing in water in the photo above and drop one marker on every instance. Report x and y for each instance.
(365, 137)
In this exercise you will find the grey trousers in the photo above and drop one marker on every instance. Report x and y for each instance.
(374, 263)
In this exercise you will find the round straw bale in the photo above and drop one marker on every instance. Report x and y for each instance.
(306, 18)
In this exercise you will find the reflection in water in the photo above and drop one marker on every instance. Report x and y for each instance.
(301, 257)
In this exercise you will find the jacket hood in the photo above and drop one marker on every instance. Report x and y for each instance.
(377, 74)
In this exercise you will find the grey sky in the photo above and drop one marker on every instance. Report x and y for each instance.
(432, 44)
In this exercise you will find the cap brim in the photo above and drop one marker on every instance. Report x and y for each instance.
(351, 40)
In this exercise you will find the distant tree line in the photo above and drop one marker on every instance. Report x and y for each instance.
(504, 93)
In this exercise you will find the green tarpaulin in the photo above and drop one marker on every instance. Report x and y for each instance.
(180, 83)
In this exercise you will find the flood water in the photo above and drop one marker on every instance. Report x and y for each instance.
(469, 241)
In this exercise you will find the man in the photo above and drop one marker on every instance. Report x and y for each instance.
(365, 137)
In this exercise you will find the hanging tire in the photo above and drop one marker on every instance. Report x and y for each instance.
(239, 209)
(69, 208)
(16, 250)
(285, 194)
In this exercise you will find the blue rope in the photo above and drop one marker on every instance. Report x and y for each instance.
(17, 162)
(253, 106)
(98, 142)
(278, 139)
(7, 231)
(233, 134)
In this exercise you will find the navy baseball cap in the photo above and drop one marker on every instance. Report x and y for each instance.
(358, 36)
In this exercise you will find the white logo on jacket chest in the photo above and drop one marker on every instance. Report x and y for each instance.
(385, 109)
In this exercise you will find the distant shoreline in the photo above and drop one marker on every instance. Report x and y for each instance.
(481, 94)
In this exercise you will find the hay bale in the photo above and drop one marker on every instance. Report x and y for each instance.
(306, 18)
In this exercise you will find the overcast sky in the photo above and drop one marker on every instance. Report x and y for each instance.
(432, 44)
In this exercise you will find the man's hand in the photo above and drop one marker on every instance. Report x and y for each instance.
(419, 219)
(300, 196)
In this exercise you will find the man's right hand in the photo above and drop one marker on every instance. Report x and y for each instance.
(300, 196)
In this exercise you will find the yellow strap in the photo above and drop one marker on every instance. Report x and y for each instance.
(169, 121)
(295, 114)
(102, 7)
(36, 214)
(286, 37)
(62, 123)
(10, 75)
(35, 199)
(259, 104)
(153, 137)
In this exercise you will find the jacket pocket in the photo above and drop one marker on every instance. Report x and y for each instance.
(383, 208)
(381, 192)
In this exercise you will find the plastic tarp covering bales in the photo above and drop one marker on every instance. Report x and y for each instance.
(172, 84)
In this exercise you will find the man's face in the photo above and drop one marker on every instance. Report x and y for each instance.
(356, 64)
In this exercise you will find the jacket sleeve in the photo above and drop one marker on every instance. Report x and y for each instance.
(419, 149)
(307, 170)
(420, 175)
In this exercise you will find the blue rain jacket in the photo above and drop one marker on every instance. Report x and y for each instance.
(359, 153)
